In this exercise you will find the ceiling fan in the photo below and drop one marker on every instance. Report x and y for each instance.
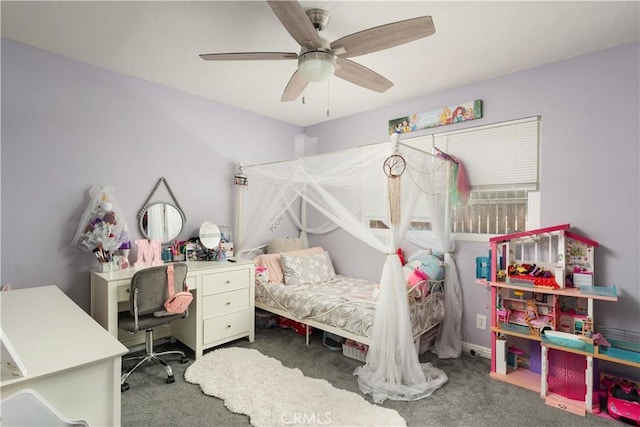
(318, 59)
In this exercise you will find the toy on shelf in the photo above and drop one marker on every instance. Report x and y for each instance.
(512, 356)
(587, 328)
(502, 315)
(622, 398)
(551, 257)
(531, 314)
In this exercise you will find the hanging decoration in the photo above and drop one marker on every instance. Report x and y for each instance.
(240, 178)
(102, 228)
(459, 187)
(394, 167)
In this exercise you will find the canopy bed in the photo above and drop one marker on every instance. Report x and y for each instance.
(375, 193)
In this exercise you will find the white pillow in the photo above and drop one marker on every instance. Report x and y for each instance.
(301, 270)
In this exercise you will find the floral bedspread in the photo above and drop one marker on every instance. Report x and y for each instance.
(345, 303)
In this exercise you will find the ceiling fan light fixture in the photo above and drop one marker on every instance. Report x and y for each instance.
(317, 66)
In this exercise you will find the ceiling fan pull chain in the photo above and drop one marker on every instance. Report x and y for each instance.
(328, 99)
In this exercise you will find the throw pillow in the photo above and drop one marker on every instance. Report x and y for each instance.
(273, 265)
(301, 270)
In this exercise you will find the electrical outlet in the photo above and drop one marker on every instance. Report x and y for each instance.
(481, 322)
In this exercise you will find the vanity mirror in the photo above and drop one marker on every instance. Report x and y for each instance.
(161, 220)
(209, 235)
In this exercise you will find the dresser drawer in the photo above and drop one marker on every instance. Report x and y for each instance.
(219, 328)
(225, 281)
(225, 303)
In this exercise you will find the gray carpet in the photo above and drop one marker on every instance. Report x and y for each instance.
(470, 398)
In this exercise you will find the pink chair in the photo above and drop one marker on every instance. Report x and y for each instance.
(503, 316)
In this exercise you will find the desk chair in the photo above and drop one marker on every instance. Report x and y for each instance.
(149, 291)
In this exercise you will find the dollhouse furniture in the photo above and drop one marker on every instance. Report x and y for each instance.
(71, 362)
(567, 365)
(502, 315)
(222, 309)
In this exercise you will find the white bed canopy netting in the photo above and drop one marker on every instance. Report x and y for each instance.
(350, 189)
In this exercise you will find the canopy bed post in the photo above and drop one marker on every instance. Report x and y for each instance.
(240, 180)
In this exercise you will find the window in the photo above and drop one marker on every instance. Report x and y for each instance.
(501, 162)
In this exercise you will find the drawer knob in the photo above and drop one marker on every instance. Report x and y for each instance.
(227, 282)
(228, 303)
(128, 290)
(228, 326)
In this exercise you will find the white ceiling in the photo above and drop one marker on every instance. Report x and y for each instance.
(160, 42)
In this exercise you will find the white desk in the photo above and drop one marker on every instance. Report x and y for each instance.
(70, 359)
(222, 310)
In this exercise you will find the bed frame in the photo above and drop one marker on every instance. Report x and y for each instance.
(431, 331)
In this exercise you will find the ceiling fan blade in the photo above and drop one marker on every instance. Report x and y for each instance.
(361, 76)
(383, 37)
(248, 56)
(296, 22)
(294, 88)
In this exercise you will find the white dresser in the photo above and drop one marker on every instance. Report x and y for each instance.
(222, 310)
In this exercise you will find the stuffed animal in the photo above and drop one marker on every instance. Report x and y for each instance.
(417, 281)
(262, 275)
(416, 276)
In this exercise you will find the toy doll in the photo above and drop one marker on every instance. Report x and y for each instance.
(531, 313)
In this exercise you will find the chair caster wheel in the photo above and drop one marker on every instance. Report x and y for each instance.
(184, 360)
(171, 379)
(124, 387)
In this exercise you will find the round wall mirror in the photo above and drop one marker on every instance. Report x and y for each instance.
(209, 235)
(161, 221)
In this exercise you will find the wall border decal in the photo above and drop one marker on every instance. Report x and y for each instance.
(444, 116)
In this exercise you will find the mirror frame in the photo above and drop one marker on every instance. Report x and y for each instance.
(169, 238)
(145, 207)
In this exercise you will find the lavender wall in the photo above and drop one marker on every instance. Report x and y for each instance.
(590, 109)
(67, 125)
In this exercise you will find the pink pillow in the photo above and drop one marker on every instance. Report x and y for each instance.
(274, 266)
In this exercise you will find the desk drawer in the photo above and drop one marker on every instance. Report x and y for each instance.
(123, 290)
(225, 281)
(225, 303)
(219, 328)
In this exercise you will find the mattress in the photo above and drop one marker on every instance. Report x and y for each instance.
(345, 303)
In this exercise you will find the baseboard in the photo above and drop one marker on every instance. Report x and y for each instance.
(476, 350)
(470, 349)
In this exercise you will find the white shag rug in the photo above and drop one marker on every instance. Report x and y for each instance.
(273, 395)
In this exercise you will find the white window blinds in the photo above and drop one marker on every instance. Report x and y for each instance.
(499, 156)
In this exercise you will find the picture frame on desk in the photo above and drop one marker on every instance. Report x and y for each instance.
(225, 234)
(191, 253)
